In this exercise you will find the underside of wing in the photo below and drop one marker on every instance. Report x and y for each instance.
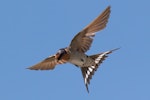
(47, 64)
(83, 40)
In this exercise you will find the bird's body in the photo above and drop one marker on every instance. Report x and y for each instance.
(75, 52)
(79, 59)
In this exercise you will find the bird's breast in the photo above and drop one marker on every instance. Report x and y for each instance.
(77, 59)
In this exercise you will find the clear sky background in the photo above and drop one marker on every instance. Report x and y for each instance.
(31, 30)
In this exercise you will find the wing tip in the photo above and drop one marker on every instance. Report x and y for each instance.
(31, 68)
(109, 7)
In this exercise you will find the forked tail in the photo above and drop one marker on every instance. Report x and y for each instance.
(87, 72)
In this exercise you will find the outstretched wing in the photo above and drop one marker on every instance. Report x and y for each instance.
(83, 40)
(47, 64)
(88, 72)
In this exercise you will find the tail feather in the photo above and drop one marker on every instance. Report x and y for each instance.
(87, 72)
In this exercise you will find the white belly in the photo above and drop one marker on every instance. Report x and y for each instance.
(78, 59)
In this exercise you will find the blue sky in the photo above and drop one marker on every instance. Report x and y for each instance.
(31, 30)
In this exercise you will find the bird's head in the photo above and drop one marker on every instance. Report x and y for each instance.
(61, 52)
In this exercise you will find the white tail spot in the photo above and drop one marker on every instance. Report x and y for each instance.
(90, 69)
(100, 57)
(93, 67)
(88, 72)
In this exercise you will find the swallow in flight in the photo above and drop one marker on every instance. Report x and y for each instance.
(75, 52)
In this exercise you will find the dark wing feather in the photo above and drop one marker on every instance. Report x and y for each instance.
(47, 64)
(83, 40)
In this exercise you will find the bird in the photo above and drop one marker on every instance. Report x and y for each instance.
(75, 52)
